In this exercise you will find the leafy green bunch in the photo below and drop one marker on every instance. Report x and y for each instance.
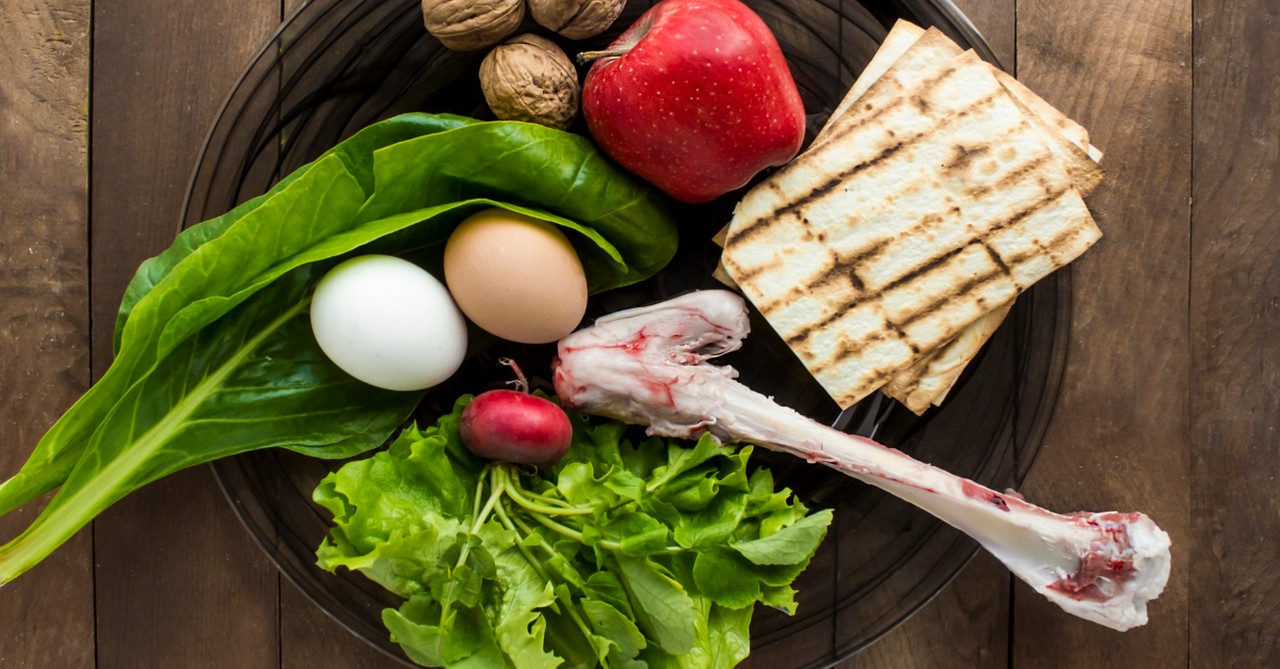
(624, 554)
(213, 348)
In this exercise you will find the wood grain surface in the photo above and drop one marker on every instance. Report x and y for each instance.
(46, 620)
(178, 581)
(1169, 404)
(1235, 337)
(1119, 437)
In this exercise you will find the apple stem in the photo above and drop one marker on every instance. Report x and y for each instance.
(625, 42)
(588, 56)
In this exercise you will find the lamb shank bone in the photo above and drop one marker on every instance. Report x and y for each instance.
(647, 366)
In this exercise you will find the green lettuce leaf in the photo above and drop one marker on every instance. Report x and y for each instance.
(588, 566)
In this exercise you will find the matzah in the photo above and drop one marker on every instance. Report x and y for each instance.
(917, 51)
(929, 381)
(863, 261)
(904, 34)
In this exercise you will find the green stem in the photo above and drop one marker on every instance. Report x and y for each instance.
(563, 531)
(503, 518)
(517, 495)
(528, 531)
(447, 612)
(479, 494)
(541, 516)
(497, 486)
(568, 532)
(544, 499)
(571, 607)
(568, 605)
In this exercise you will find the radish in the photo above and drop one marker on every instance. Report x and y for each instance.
(515, 426)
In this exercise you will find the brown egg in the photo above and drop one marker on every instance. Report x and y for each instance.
(516, 277)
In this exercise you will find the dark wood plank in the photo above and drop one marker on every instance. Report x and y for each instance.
(1119, 437)
(1235, 312)
(46, 616)
(180, 584)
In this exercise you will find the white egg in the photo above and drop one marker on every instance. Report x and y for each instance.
(388, 323)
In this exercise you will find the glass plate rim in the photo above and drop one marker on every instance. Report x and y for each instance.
(946, 12)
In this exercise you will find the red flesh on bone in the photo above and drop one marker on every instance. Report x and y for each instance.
(647, 366)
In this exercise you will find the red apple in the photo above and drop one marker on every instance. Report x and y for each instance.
(694, 97)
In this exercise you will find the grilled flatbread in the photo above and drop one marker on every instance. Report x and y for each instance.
(1049, 115)
(929, 381)
(904, 34)
(864, 256)
(921, 53)
(895, 44)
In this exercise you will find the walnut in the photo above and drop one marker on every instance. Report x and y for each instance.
(576, 19)
(529, 78)
(467, 25)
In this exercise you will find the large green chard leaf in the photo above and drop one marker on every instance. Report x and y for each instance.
(356, 153)
(575, 576)
(197, 280)
(532, 165)
(315, 217)
(254, 380)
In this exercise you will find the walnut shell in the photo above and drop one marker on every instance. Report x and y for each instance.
(529, 78)
(467, 25)
(576, 19)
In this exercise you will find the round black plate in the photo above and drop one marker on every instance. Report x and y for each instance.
(338, 65)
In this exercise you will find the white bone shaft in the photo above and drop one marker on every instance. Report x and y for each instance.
(646, 366)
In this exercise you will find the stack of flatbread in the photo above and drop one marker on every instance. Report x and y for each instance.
(889, 251)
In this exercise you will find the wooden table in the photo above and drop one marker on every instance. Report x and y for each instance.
(1169, 403)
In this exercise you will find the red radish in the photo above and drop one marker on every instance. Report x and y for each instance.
(514, 426)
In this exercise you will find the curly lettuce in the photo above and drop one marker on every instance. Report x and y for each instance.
(648, 553)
